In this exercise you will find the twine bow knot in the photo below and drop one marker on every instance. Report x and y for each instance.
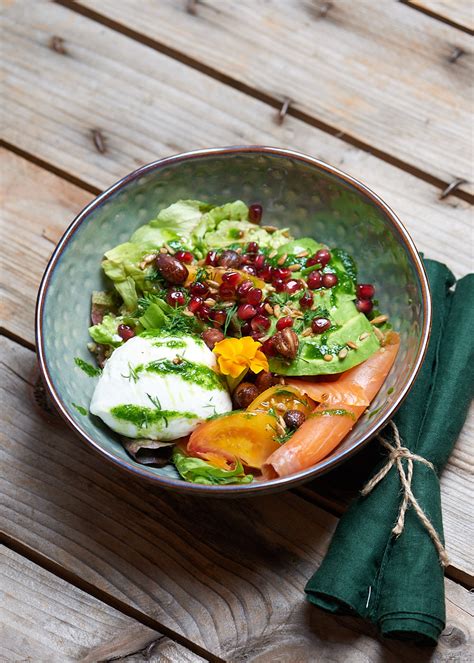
(397, 453)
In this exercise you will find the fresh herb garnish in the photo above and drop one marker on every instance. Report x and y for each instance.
(88, 369)
(338, 412)
(80, 409)
(132, 373)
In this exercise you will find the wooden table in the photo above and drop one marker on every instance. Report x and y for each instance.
(97, 566)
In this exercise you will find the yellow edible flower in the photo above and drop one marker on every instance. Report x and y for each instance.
(235, 355)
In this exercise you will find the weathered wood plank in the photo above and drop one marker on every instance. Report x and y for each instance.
(36, 208)
(460, 12)
(378, 72)
(47, 620)
(228, 575)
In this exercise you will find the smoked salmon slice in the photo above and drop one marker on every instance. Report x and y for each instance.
(329, 424)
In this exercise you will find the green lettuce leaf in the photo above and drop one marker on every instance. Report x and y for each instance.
(156, 314)
(298, 245)
(173, 223)
(106, 331)
(196, 470)
(121, 265)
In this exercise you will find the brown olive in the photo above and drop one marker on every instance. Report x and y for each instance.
(211, 337)
(294, 418)
(264, 380)
(230, 258)
(286, 343)
(171, 269)
(244, 394)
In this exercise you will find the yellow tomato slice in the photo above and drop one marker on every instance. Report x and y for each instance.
(248, 436)
(281, 398)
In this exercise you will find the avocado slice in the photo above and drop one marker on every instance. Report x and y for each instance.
(310, 359)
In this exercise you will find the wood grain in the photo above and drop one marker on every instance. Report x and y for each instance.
(47, 620)
(377, 72)
(152, 116)
(460, 12)
(228, 575)
(36, 208)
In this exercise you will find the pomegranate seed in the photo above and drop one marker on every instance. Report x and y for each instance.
(365, 291)
(226, 291)
(260, 261)
(312, 260)
(254, 296)
(248, 259)
(255, 213)
(260, 323)
(266, 273)
(199, 289)
(278, 284)
(329, 280)
(323, 257)
(244, 287)
(306, 300)
(175, 298)
(250, 269)
(218, 316)
(364, 305)
(204, 311)
(125, 332)
(282, 273)
(252, 247)
(257, 335)
(268, 347)
(231, 278)
(314, 280)
(246, 311)
(246, 329)
(194, 304)
(184, 256)
(261, 309)
(285, 322)
(293, 285)
(320, 325)
(212, 258)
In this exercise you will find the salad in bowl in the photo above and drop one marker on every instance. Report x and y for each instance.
(231, 349)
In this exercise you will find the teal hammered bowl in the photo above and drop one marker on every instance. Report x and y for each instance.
(310, 197)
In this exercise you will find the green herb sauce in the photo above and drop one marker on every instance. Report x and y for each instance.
(143, 417)
(171, 343)
(204, 376)
(88, 369)
(80, 409)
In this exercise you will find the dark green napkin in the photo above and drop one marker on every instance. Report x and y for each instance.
(398, 582)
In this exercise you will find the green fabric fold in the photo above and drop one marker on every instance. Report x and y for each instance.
(398, 583)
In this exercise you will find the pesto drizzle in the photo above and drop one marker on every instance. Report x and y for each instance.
(204, 376)
(88, 369)
(143, 417)
(339, 412)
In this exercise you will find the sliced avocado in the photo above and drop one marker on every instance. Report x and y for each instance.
(298, 245)
(310, 359)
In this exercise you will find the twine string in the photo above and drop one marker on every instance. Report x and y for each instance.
(397, 452)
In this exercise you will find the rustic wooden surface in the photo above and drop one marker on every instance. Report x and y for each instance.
(459, 12)
(45, 618)
(375, 93)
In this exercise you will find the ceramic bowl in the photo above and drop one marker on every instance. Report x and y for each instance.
(310, 197)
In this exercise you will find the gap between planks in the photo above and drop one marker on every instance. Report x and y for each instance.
(437, 16)
(113, 602)
(261, 96)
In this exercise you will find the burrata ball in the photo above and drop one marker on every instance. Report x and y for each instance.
(160, 388)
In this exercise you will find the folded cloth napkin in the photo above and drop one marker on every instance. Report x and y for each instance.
(396, 581)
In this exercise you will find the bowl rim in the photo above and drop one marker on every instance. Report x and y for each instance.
(272, 485)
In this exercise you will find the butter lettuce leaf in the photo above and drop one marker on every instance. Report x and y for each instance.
(200, 471)
(175, 222)
(106, 332)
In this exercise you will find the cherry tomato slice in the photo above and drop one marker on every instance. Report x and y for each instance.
(248, 436)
